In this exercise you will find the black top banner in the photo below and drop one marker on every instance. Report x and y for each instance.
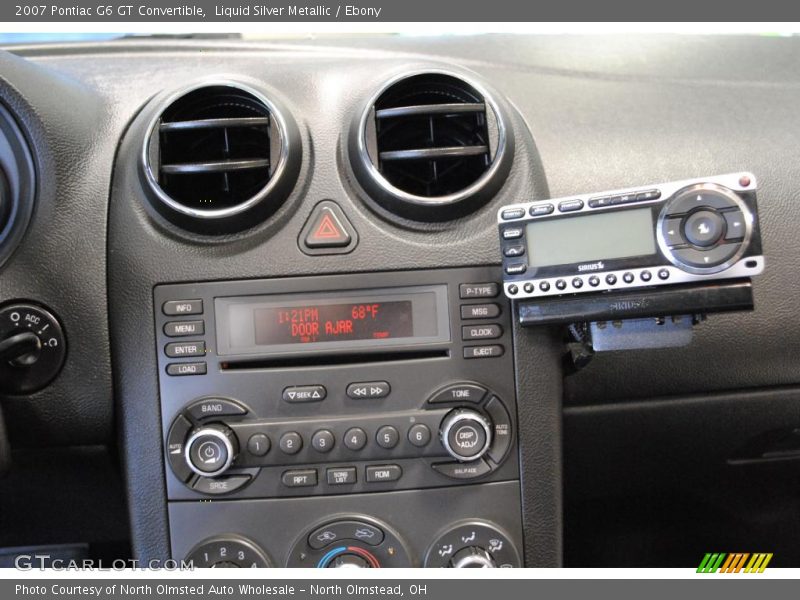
(442, 11)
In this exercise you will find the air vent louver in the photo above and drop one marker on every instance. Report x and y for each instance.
(214, 151)
(431, 140)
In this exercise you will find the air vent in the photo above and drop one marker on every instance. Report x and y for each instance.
(430, 145)
(215, 153)
(17, 185)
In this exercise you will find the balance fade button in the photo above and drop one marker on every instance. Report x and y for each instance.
(457, 470)
(480, 311)
(215, 407)
(735, 225)
(478, 290)
(191, 368)
(382, 473)
(185, 349)
(341, 476)
(173, 308)
(302, 478)
(671, 232)
(305, 393)
(220, 485)
(368, 390)
(482, 332)
(461, 392)
(491, 351)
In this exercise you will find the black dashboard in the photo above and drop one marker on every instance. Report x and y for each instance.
(289, 321)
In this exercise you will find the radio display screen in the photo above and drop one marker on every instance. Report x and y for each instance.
(585, 238)
(328, 322)
(320, 320)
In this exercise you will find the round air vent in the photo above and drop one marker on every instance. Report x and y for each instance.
(431, 146)
(17, 185)
(221, 157)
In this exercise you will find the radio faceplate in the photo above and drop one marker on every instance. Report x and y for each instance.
(680, 232)
(295, 407)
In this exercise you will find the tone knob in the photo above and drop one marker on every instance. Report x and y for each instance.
(211, 449)
(472, 557)
(466, 434)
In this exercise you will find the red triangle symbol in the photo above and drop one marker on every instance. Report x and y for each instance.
(327, 229)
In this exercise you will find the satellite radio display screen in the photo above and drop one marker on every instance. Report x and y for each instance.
(328, 322)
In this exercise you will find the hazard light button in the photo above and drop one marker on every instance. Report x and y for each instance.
(327, 230)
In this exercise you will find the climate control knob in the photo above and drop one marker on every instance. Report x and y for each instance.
(210, 450)
(472, 557)
(466, 434)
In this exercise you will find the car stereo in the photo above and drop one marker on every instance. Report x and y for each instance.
(673, 233)
(317, 404)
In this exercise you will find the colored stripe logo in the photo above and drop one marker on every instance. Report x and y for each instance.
(736, 562)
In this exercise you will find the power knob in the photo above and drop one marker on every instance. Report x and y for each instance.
(472, 558)
(466, 434)
(210, 450)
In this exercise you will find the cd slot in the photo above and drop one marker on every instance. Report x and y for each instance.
(332, 360)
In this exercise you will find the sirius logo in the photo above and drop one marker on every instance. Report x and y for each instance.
(595, 266)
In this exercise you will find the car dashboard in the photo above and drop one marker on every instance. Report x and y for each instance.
(275, 323)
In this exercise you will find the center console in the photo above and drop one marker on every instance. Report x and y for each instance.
(341, 421)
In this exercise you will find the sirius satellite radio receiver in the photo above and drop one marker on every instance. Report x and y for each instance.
(692, 231)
